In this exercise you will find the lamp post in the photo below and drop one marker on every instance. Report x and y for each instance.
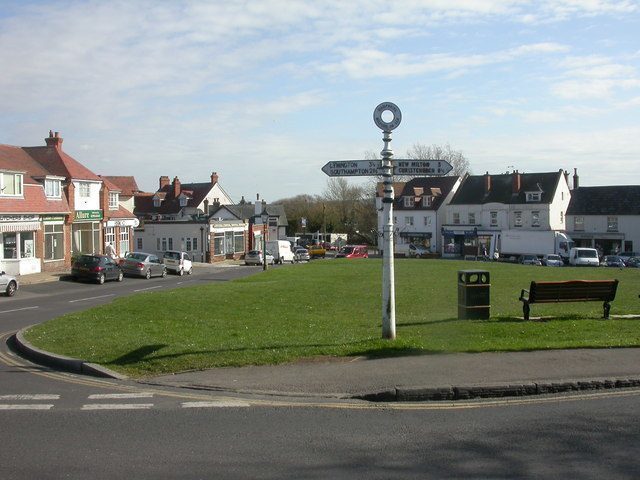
(264, 216)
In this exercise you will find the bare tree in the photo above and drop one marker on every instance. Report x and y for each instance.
(456, 158)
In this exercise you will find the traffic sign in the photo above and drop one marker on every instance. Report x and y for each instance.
(421, 167)
(353, 168)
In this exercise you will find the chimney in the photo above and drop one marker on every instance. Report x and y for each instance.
(576, 183)
(566, 176)
(258, 207)
(214, 178)
(176, 187)
(516, 181)
(487, 183)
(164, 181)
(206, 207)
(54, 140)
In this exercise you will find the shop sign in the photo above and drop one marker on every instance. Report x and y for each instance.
(19, 218)
(125, 222)
(53, 219)
(88, 215)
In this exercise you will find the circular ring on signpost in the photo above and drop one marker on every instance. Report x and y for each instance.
(387, 107)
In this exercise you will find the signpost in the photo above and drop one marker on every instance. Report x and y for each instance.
(386, 169)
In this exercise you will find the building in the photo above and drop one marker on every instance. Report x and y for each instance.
(487, 209)
(418, 211)
(605, 217)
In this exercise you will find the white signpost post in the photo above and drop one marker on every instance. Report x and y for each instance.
(386, 169)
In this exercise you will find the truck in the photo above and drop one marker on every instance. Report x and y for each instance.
(521, 242)
(281, 251)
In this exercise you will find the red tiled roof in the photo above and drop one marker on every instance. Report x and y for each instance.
(16, 159)
(110, 185)
(127, 185)
(33, 201)
(120, 213)
(59, 163)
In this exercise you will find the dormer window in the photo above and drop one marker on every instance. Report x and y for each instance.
(52, 188)
(534, 196)
(183, 201)
(10, 184)
(114, 199)
(427, 201)
(408, 202)
(157, 201)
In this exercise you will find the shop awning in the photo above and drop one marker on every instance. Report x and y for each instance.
(19, 227)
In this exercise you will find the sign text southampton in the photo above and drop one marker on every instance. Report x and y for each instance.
(372, 168)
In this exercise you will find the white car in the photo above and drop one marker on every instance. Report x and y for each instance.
(8, 284)
(552, 260)
(254, 257)
(178, 262)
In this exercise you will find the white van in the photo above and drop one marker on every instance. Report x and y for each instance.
(581, 256)
(281, 251)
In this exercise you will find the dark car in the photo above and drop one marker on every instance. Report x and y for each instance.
(632, 262)
(612, 261)
(97, 268)
(141, 264)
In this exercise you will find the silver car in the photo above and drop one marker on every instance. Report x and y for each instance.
(8, 284)
(141, 264)
(302, 255)
(254, 257)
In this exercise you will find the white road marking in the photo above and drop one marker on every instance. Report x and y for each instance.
(219, 404)
(149, 288)
(117, 406)
(91, 298)
(104, 396)
(37, 396)
(40, 406)
(18, 309)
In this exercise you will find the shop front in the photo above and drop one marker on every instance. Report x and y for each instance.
(119, 233)
(86, 232)
(422, 239)
(18, 235)
(468, 242)
(228, 240)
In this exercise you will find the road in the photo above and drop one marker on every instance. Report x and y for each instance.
(58, 425)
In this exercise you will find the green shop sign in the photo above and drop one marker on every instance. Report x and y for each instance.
(88, 215)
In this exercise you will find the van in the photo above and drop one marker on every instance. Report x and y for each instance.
(178, 262)
(281, 251)
(581, 256)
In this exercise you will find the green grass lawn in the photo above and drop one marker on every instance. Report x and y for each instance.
(333, 307)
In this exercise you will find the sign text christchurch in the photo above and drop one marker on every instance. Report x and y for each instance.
(372, 168)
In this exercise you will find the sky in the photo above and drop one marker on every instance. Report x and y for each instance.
(266, 92)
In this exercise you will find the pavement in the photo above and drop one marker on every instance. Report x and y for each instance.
(429, 377)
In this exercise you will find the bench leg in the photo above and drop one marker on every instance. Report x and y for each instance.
(607, 308)
(525, 310)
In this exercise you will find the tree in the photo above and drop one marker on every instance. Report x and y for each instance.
(456, 158)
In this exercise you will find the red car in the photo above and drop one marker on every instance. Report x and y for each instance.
(353, 251)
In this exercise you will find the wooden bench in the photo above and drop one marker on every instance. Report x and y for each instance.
(569, 291)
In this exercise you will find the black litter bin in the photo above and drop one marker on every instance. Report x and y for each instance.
(474, 294)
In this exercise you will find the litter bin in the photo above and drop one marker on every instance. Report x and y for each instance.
(473, 294)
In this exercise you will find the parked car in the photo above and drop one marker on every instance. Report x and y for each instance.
(254, 257)
(612, 261)
(353, 251)
(632, 262)
(97, 268)
(627, 256)
(552, 260)
(178, 262)
(302, 255)
(417, 251)
(530, 260)
(583, 257)
(141, 264)
(317, 251)
(8, 284)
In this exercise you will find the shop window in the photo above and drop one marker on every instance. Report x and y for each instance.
(86, 237)
(27, 247)
(238, 242)
(53, 242)
(9, 246)
(110, 235)
(10, 184)
(124, 240)
(218, 244)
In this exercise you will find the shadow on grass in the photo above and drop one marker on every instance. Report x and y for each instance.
(138, 355)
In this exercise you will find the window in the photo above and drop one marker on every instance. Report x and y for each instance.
(110, 235)
(426, 201)
(218, 244)
(183, 201)
(561, 217)
(494, 218)
(517, 219)
(472, 218)
(456, 218)
(535, 219)
(139, 244)
(534, 196)
(238, 241)
(612, 224)
(53, 242)
(188, 244)
(124, 240)
(195, 244)
(408, 221)
(427, 221)
(84, 189)
(578, 224)
(163, 244)
(10, 247)
(113, 200)
(52, 188)
(26, 245)
(157, 202)
(408, 202)
(11, 184)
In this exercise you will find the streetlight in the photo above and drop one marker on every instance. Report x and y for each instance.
(264, 216)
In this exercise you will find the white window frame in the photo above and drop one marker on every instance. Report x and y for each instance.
(408, 221)
(427, 221)
(535, 218)
(427, 200)
(16, 182)
(52, 188)
(110, 235)
(84, 189)
(408, 202)
(472, 218)
(493, 216)
(612, 223)
(183, 201)
(456, 218)
(534, 196)
(517, 218)
(114, 199)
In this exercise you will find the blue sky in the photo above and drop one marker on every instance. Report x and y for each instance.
(266, 92)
